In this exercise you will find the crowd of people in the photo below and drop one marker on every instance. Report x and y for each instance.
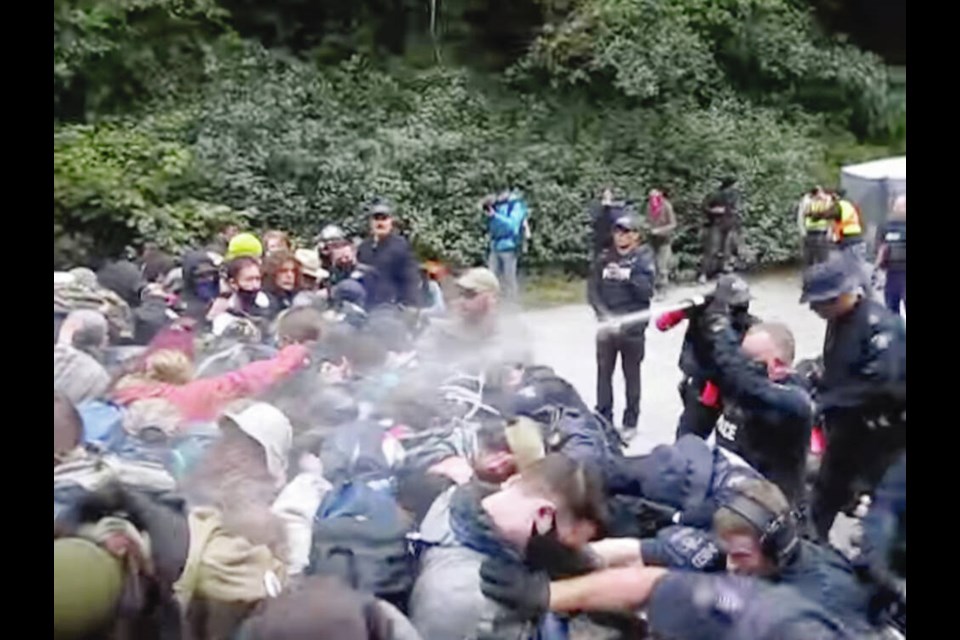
(263, 442)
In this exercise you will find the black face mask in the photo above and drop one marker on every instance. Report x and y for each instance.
(247, 298)
(546, 552)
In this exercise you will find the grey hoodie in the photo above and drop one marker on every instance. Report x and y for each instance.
(446, 603)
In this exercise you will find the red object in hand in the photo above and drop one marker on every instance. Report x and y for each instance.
(818, 442)
(670, 319)
(710, 396)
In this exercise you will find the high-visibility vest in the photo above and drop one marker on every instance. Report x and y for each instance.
(849, 224)
(817, 205)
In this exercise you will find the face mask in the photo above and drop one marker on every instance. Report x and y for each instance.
(247, 298)
(546, 551)
(207, 290)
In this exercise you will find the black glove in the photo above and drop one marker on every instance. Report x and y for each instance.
(516, 587)
(700, 516)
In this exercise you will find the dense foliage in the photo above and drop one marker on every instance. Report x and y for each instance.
(168, 124)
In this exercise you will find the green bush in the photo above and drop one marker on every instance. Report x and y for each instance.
(308, 148)
(636, 93)
(119, 185)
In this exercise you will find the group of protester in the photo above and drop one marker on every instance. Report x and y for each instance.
(336, 443)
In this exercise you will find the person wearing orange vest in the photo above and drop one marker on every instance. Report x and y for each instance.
(847, 227)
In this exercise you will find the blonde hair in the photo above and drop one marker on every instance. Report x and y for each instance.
(169, 365)
(166, 365)
(763, 492)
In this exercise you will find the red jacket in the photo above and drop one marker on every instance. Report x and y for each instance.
(204, 399)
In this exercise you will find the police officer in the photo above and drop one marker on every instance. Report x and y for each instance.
(680, 483)
(862, 392)
(892, 256)
(622, 282)
(700, 395)
(767, 412)
(883, 553)
(680, 605)
(757, 529)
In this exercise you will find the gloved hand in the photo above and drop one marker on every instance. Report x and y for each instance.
(516, 587)
(670, 319)
(691, 548)
(700, 516)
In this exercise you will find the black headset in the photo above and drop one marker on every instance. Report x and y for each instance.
(778, 531)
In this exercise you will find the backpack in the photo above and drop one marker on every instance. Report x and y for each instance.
(360, 535)
(359, 449)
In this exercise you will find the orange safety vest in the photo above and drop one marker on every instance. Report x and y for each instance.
(848, 226)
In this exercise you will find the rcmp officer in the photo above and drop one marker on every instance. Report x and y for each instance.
(862, 392)
(622, 282)
(757, 528)
(767, 412)
(702, 404)
(680, 605)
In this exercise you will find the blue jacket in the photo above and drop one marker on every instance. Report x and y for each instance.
(506, 224)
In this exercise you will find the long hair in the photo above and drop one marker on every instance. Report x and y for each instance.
(273, 264)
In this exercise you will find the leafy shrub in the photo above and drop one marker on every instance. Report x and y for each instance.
(118, 185)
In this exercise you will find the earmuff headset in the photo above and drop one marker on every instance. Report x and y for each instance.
(778, 531)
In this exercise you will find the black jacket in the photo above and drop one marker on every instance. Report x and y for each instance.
(767, 423)
(690, 604)
(824, 576)
(730, 200)
(395, 277)
(695, 361)
(688, 476)
(621, 284)
(865, 366)
(884, 548)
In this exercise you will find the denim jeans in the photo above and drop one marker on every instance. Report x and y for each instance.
(504, 266)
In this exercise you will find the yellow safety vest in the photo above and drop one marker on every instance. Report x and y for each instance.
(819, 205)
(849, 225)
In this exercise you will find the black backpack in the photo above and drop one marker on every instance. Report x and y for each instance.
(360, 535)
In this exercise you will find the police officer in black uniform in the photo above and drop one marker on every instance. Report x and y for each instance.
(702, 404)
(862, 392)
(679, 483)
(680, 605)
(883, 550)
(622, 282)
(767, 412)
(757, 528)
